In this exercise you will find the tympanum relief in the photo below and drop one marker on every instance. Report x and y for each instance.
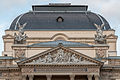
(61, 57)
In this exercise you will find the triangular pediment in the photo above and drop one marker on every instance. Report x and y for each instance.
(8, 36)
(111, 36)
(60, 55)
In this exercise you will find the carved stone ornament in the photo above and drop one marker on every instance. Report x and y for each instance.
(61, 57)
(100, 53)
(99, 37)
(20, 53)
(20, 38)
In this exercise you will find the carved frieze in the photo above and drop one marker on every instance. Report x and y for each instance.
(27, 70)
(10, 74)
(59, 70)
(96, 70)
(20, 53)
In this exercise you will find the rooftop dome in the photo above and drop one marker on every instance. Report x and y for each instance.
(59, 17)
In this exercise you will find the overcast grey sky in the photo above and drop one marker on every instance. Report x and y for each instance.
(10, 9)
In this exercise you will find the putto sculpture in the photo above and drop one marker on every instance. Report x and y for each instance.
(20, 37)
(99, 37)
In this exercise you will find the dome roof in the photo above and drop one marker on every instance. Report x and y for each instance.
(59, 17)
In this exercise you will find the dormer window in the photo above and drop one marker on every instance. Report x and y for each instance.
(60, 19)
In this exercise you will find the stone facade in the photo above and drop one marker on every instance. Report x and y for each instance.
(59, 55)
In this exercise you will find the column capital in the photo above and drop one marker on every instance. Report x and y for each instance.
(72, 77)
(96, 77)
(24, 77)
(48, 77)
(89, 77)
(30, 77)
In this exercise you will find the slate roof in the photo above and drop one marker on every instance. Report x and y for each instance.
(56, 43)
(6, 57)
(113, 57)
(111, 67)
(43, 17)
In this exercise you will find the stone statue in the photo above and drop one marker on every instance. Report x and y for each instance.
(59, 56)
(20, 37)
(74, 58)
(48, 58)
(99, 37)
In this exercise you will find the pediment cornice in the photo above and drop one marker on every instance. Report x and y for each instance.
(112, 36)
(60, 56)
(8, 36)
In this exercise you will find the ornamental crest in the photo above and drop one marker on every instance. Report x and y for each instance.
(100, 53)
(20, 53)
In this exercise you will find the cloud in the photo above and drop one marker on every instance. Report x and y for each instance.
(2, 28)
(11, 3)
(107, 8)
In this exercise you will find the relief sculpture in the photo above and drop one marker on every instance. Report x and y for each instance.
(60, 57)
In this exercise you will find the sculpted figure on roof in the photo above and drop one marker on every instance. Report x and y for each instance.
(99, 37)
(20, 37)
